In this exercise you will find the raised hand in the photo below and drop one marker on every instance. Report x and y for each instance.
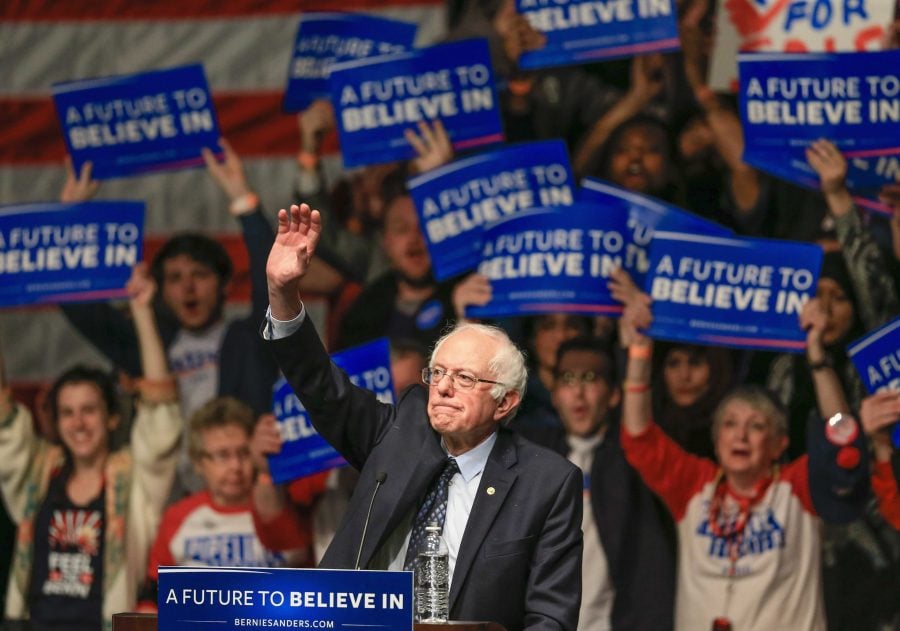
(432, 145)
(636, 315)
(516, 32)
(814, 320)
(877, 414)
(141, 287)
(295, 243)
(80, 188)
(266, 440)
(229, 175)
(646, 78)
(474, 290)
(829, 163)
(315, 121)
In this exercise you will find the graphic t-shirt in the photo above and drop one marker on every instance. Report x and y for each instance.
(67, 575)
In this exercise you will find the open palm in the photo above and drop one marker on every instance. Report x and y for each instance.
(295, 243)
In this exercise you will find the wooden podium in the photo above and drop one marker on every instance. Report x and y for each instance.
(147, 622)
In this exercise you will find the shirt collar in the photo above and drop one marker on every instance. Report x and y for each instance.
(472, 462)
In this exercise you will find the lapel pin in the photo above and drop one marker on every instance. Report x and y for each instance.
(491, 490)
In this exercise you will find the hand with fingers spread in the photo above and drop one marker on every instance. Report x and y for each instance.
(432, 145)
(295, 243)
(475, 290)
(229, 174)
(80, 188)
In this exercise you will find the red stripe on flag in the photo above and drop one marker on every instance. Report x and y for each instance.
(54, 10)
(252, 121)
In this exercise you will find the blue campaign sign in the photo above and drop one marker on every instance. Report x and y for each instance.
(232, 598)
(304, 452)
(877, 357)
(327, 38)
(456, 201)
(582, 31)
(877, 360)
(731, 291)
(788, 101)
(645, 214)
(140, 123)
(551, 260)
(51, 253)
(377, 98)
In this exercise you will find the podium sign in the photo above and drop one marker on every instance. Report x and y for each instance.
(265, 598)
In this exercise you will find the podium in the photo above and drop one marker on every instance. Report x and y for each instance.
(147, 622)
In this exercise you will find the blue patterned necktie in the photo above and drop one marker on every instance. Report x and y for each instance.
(433, 510)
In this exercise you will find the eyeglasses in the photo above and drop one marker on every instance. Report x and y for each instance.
(461, 380)
(222, 456)
(574, 378)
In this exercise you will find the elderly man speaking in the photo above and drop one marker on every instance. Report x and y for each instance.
(511, 510)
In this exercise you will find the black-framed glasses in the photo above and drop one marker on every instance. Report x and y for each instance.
(461, 380)
(570, 378)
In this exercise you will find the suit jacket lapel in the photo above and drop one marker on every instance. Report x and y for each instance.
(405, 485)
(499, 477)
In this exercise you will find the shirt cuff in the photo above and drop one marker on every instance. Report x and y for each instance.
(277, 329)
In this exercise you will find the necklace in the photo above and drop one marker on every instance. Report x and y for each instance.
(733, 531)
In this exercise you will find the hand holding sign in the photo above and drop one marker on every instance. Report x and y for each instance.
(516, 32)
(229, 175)
(474, 290)
(266, 440)
(295, 243)
(636, 316)
(80, 188)
(878, 413)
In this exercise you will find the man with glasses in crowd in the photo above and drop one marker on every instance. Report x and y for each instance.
(510, 510)
(628, 576)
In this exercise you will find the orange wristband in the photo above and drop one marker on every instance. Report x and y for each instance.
(635, 387)
(640, 352)
(307, 160)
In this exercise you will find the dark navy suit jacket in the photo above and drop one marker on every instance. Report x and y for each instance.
(519, 562)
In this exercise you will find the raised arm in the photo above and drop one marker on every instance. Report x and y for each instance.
(636, 406)
(727, 132)
(646, 84)
(830, 396)
(141, 290)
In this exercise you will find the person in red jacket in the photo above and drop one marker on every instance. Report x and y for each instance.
(878, 413)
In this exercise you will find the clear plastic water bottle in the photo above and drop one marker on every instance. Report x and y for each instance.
(433, 577)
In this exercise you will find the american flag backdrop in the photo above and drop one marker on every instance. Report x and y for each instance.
(244, 47)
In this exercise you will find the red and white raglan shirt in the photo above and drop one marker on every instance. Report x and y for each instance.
(196, 531)
(777, 580)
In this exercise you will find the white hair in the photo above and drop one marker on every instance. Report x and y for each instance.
(506, 366)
